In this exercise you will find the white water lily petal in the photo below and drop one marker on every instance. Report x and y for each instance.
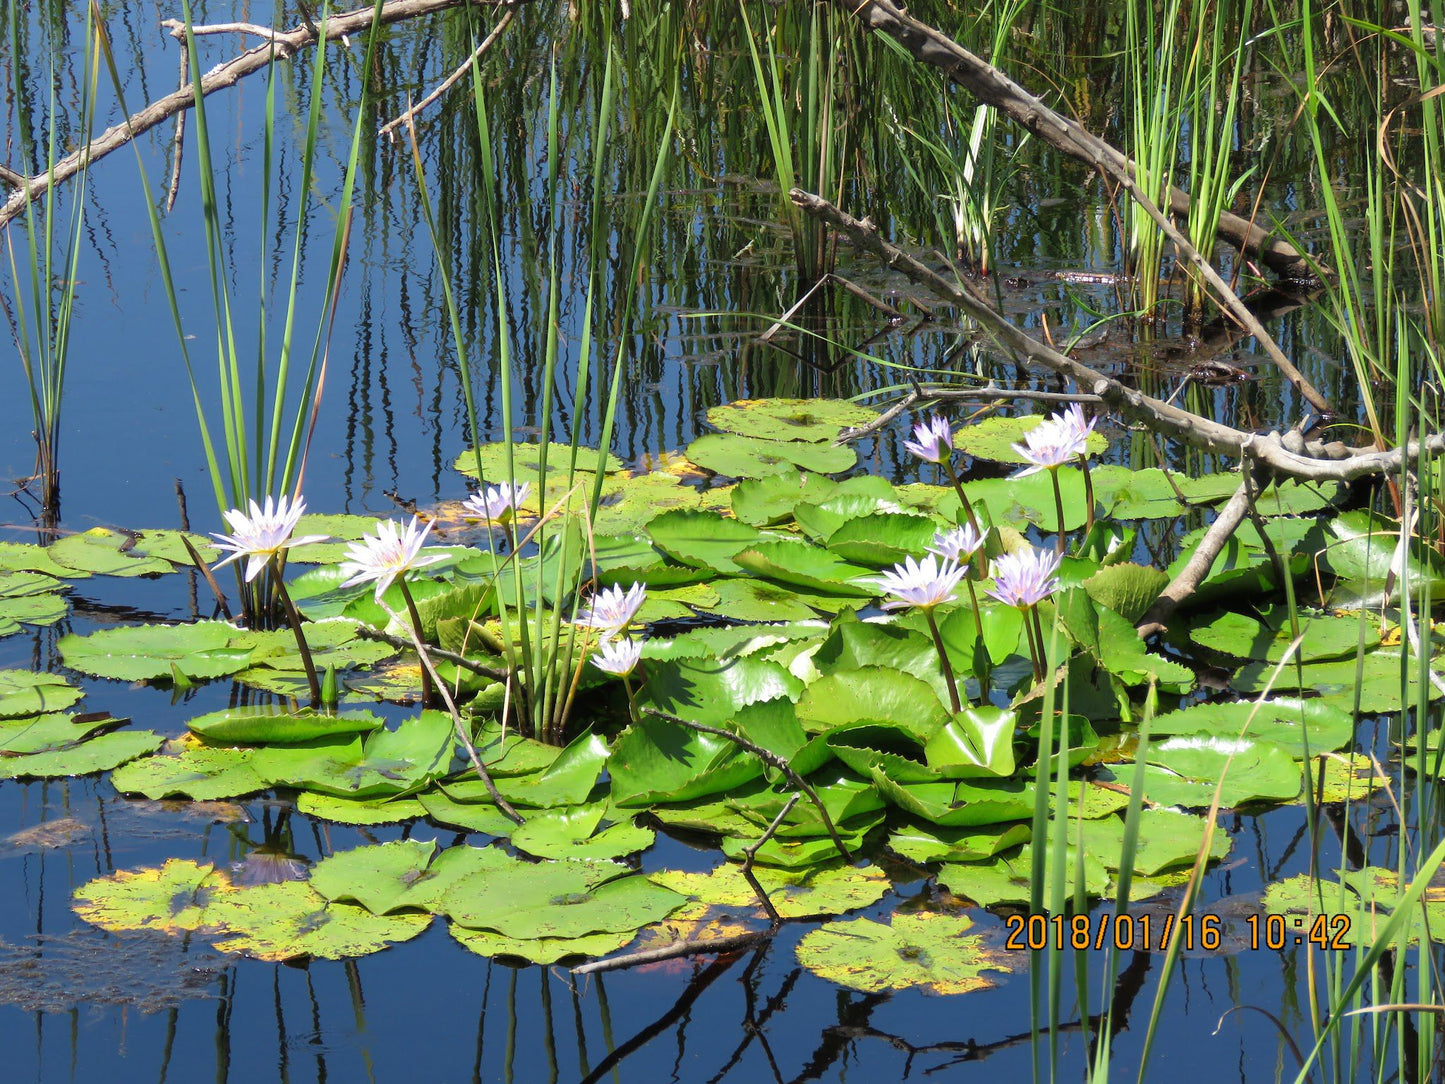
(924, 584)
(932, 440)
(612, 610)
(393, 552)
(618, 656)
(263, 533)
(1025, 579)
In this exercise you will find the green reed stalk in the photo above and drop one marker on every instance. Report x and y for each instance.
(1154, 129)
(253, 433)
(42, 338)
(1213, 75)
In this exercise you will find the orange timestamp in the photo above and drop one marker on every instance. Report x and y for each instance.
(1156, 933)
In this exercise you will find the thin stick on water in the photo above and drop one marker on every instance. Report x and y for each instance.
(466, 739)
(294, 620)
(426, 686)
(750, 853)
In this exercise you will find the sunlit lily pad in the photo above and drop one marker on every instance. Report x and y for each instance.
(1166, 839)
(538, 950)
(97, 754)
(328, 807)
(873, 694)
(828, 890)
(1351, 777)
(572, 832)
(289, 920)
(379, 876)
(994, 438)
(926, 950)
(191, 770)
(568, 780)
(522, 899)
(703, 539)
(1376, 680)
(170, 898)
(1286, 721)
(808, 567)
(749, 457)
(28, 557)
(772, 498)
(1326, 636)
(526, 460)
(1009, 878)
(257, 724)
(30, 598)
(103, 552)
(141, 652)
(477, 816)
(50, 731)
(658, 761)
(1186, 770)
(26, 692)
(712, 690)
(921, 842)
(812, 420)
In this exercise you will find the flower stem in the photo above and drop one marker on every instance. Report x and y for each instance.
(1039, 636)
(1088, 495)
(947, 462)
(426, 690)
(982, 664)
(1059, 507)
(631, 700)
(1033, 644)
(294, 619)
(943, 661)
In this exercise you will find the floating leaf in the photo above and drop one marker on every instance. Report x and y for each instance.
(993, 438)
(1256, 771)
(712, 690)
(659, 761)
(1376, 680)
(557, 899)
(328, 807)
(1326, 636)
(1167, 838)
(569, 779)
(26, 692)
(703, 539)
(812, 420)
(926, 950)
(747, 457)
(99, 754)
(142, 652)
(191, 771)
(1288, 722)
(920, 842)
(808, 567)
(290, 920)
(571, 832)
(1127, 589)
(883, 538)
(28, 557)
(475, 816)
(526, 461)
(818, 891)
(873, 694)
(379, 876)
(103, 552)
(30, 598)
(271, 723)
(771, 499)
(1009, 878)
(539, 950)
(170, 898)
(978, 741)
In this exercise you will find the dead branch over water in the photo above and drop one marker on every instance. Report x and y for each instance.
(994, 88)
(279, 45)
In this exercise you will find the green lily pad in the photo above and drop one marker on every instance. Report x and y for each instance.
(26, 692)
(539, 950)
(558, 899)
(978, 741)
(526, 461)
(921, 842)
(828, 890)
(703, 539)
(771, 499)
(143, 652)
(30, 598)
(1362, 546)
(748, 457)
(379, 876)
(658, 761)
(1326, 636)
(571, 832)
(872, 694)
(388, 762)
(568, 780)
(1376, 680)
(883, 538)
(1008, 879)
(191, 771)
(98, 754)
(473, 816)
(924, 950)
(808, 567)
(1288, 722)
(103, 552)
(328, 807)
(50, 731)
(1186, 771)
(993, 438)
(268, 723)
(811, 420)
(28, 557)
(1167, 839)
(1127, 589)
(712, 690)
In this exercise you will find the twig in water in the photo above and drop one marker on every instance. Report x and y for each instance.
(178, 143)
(494, 672)
(450, 81)
(674, 950)
(441, 686)
(205, 571)
(749, 853)
(767, 756)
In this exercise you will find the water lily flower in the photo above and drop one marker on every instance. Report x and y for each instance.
(264, 533)
(1025, 579)
(618, 656)
(930, 439)
(394, 551)
(959, 544)
(1048, 446)
(924, 583)
(612, 610)
(1074, 423)
(498, 502)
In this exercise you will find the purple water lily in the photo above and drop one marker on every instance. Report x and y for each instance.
(1025, 579)
(932, 440)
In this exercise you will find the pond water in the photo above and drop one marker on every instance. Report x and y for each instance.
(77, 1002)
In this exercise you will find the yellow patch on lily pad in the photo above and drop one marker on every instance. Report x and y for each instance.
(925, 950)
(795, 893)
